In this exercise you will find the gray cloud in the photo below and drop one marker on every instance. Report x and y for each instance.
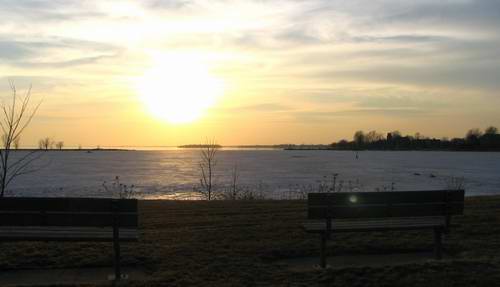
(466, 14)
(266, 107)
(298, 35)
(316, 116)
(29, 53)
(64, 64)
(424, 44)
(167, 4)
(43, 11)
(259, 108)
(397, 102)
(12, 50)
(23, 82)
(482, 76)
(403, 38)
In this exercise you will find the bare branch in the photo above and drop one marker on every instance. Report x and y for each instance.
(23, 168)
(14, 121)
(207, 167)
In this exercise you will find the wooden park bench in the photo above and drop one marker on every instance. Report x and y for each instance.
(378, 211)
(70, 219)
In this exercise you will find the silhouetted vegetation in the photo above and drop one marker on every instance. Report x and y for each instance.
(207, 165)
(45, 143)
(204, 146)
(118, 189)
(474, 140)
(16, 117)
(276, 146)
(59, 145)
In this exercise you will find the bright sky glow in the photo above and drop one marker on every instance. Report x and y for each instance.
(178, 88)
(158, 72)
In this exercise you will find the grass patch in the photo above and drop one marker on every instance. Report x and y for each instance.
(237, 243)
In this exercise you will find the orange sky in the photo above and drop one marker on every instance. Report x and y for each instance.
(251, 72)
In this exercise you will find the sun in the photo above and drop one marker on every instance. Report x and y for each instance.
(178, 89)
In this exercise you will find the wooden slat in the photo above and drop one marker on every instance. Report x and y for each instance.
(385, 204)
(386, 197)
(376, 224)
(67, 219)
(367, 211)
(67, 204)
(68, 212)
(57, 233)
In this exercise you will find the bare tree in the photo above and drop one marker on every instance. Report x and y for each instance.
(16, 142)
(16, 117)
(491, 130)
(396, 134)
(472, 136)
(59, 145)
(207, 167)
(45, 143)
(373, 136)
(359, 138)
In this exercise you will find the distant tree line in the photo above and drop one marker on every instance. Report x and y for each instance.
(47, 143)
(474, 140)
(200, 146)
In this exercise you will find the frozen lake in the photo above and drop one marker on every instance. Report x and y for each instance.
(159, 174)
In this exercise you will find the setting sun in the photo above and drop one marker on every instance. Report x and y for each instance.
(178, 89)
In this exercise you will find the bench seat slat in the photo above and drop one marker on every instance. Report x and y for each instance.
(67, 204)
(37, 212)
(385, 204)
(383, 210)
(424, 196)
(67, 219)
(36, 233)
(376, 224)
(89, 212)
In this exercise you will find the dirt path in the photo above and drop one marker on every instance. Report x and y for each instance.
(50, 277)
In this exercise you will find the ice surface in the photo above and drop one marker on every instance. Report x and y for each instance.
(157, 174)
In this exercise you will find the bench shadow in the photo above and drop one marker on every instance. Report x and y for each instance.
(73, 276)
(311, 263)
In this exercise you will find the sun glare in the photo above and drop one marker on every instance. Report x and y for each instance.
(178, 89)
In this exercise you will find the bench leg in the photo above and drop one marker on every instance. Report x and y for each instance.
(116, 246)
(323, 251)
(438, 247)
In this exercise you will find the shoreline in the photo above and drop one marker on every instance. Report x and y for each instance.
(236, 148)
(71, 149)
(362, 150)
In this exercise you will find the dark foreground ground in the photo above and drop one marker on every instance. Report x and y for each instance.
(245, 243)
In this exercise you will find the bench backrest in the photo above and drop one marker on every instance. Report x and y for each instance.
(79, 212)
(385, 204)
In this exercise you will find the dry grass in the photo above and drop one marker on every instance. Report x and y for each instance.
(237, 243)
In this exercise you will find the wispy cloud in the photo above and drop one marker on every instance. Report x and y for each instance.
(307, 61)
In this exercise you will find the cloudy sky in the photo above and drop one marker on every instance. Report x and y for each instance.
(296, 71)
